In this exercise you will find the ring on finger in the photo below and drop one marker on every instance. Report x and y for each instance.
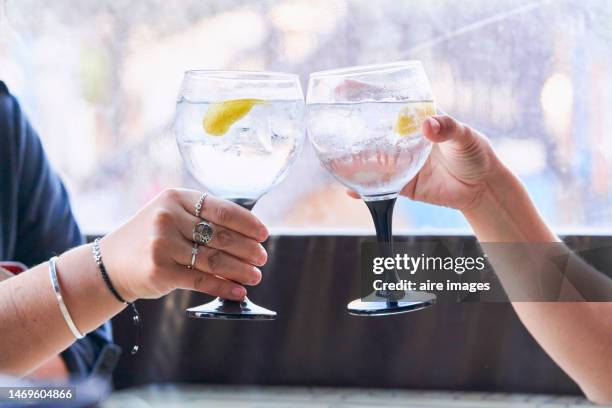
(194, 252)
(200, 204)
(203, 233)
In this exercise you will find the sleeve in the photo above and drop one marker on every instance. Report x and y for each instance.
(45, 223)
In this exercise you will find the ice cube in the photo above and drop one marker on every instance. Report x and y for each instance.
(354, 90)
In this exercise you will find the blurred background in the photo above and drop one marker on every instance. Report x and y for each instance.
(99, 81)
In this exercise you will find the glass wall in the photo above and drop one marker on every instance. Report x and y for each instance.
(100, 79)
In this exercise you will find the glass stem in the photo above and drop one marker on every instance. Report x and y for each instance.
(382, 214)
(248, 204)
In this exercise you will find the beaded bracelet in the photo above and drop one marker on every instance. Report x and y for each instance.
(97, 254)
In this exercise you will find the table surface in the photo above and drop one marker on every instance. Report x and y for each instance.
(171, 396)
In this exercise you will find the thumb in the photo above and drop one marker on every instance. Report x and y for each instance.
(444, 128)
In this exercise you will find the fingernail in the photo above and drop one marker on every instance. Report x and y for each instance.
(257, 278)
(238, 292)
(435, 125)
(262, 255)
(263, 233)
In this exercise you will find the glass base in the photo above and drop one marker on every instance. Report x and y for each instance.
(231, 310)
(374, 305)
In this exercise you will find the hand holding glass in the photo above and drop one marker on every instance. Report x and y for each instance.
(239, 133)
(365, 125)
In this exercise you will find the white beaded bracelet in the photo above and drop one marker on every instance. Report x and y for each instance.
(60, 301)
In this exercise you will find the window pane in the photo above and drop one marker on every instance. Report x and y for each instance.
(99, 81)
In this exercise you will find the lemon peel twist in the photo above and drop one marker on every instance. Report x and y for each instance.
(410, 118)
(222, 115)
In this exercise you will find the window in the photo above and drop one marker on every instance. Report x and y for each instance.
(99, 81)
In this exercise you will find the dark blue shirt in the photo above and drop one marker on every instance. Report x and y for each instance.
(36, 221)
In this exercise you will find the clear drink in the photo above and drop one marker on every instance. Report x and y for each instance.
(251, 156)
(365, 125)
(374, 148)
(238, 133)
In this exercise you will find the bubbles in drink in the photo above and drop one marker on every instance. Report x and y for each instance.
(239, 149)
(374, 148)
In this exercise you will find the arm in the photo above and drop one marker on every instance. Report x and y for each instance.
(577, 335)
(36, 209)
(146, 255)
(463, 172)
(29, 309)
(145, 258)
(55, 368)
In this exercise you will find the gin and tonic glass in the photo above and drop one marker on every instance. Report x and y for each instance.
(365, 125)
(238, 133)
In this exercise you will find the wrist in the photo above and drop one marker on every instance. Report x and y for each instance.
(499, 183)
(113, 282)
(82, 288)
(504, 211)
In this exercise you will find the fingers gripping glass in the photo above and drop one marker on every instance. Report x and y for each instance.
(238, 133)
(365, 126)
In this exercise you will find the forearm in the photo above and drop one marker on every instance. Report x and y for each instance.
(52, 369)
(577, 335)
(33, 328)
(504, 212)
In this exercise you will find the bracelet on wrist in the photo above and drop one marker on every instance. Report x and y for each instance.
(97, 255)
(60, 300)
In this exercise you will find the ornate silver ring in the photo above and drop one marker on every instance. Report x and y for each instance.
(203, 233)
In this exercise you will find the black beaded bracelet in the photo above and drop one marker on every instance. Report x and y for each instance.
(97, 254)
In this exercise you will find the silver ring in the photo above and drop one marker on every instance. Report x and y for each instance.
(194, 252)
(203, 233)
(200, 204)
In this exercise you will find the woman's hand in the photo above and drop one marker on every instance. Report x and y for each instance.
(147, 256)
(459, 170)
(460, 167)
